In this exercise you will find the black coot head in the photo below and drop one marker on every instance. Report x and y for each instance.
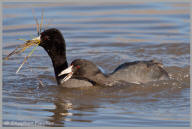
(81, 69)
(84, 68)
(52, 39)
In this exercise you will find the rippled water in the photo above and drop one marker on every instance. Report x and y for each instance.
(107, 34)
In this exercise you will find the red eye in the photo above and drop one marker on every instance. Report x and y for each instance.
(78, 66)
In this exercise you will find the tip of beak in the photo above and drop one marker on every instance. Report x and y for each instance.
(33, 41)
(67, 77)
(36, 38)
(66, 71)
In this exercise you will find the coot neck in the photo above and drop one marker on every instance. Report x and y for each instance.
(59, 64)
(102, 79)
(57, 53)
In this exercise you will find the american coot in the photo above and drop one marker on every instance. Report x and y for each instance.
(85, 73)
(131, 72)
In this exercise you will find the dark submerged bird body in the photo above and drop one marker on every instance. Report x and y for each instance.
(88, 74)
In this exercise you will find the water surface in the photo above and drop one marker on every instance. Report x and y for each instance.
(107, 34)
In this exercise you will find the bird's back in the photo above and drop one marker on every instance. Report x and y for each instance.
(140, 72)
